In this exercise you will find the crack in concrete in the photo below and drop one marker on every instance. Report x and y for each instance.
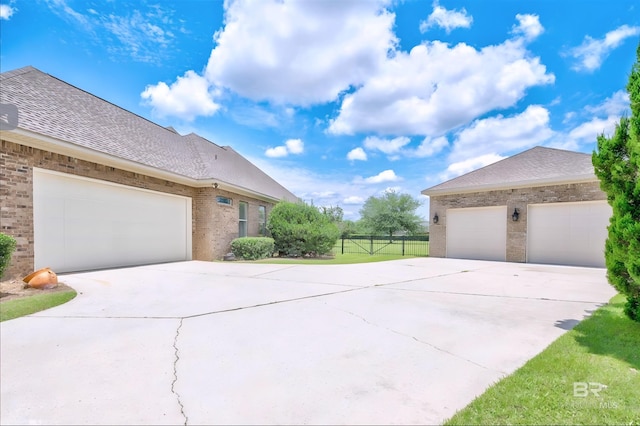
(175, 373)
(503, 296)
(416, 339)
(276, 302)
(325, 294)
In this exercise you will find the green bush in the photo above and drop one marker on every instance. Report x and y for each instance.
(7, 246)
(632, 308)
(301, 230)
(252, 248)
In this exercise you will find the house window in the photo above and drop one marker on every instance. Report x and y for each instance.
(242, 226)
(224, 200)
(262, 220)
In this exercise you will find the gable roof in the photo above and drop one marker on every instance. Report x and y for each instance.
(535, 167)
(71, 119)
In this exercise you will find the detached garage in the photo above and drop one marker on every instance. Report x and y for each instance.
(543, 205)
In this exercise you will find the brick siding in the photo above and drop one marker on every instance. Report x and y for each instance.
(512, 198)
(213, 225)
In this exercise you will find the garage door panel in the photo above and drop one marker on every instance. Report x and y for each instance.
(568, 233)
(82, 224)
(477, 233)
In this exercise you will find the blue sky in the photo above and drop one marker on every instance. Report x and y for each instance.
(340, 100)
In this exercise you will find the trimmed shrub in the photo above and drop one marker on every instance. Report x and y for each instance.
(7, 246)
(301, 230)
(252, 248)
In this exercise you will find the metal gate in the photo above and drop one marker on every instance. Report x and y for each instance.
(401, 245)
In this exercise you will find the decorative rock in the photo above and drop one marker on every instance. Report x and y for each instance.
(42, 279)
(229, 256)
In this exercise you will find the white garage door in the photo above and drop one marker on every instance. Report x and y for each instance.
(568, 233)
(477, 233)
(82, 224)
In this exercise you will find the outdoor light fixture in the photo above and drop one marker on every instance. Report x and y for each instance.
(515, 215)
(215, 185)
(435, 218)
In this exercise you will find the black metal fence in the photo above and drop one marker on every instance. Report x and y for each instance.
(369, 244)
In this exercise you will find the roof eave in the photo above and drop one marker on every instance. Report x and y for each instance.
(58, 146)
(584, 178)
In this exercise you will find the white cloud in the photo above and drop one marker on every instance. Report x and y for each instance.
(616, 105)
(468, 165)
(429, 147)
(311, 186)
(278, 151)
(528, 26)
(399, 147)
(61, 8)
(385, 176)
(435, 88)
(357, 154)
(353, 199)
(593, 120)
(291, 146)
(592, 52)
(6, 11)
(589, 131)
(387, 146)
(145, 34)
(316, 50)
(139, 36)
(447, 19)
(502, 134)
(315, 53)
(568, 116)
(187, 97)
(295, 146)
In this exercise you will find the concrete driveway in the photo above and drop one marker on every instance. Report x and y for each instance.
(403, 342)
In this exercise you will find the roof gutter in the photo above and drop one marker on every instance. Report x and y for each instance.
(585, 178)
(58, 146)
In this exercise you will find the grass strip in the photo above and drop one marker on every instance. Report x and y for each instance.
(589, 376)
(29, 305)
(339, 259)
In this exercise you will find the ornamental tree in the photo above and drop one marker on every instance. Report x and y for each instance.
(617, 165)
(390, 213)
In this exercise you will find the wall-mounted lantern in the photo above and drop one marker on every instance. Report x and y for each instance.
(516, 215)
(436, 218)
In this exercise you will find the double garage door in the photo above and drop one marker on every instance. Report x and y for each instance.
(82, 224)
(557, 233)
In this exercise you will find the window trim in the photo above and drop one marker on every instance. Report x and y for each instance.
(225, 201)
(245, 220)
(262, 220)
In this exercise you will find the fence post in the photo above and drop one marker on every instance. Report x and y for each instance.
(371, 245)
(343, 245)
(403, 245)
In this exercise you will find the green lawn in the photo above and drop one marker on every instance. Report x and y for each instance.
(590, 375)
(357, 252)
(28, 305)
(338, 259)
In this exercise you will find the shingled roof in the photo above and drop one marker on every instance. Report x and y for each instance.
(50, 107)
(535, 167)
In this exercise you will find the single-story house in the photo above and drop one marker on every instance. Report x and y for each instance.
(85, 184)
(543, 205)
